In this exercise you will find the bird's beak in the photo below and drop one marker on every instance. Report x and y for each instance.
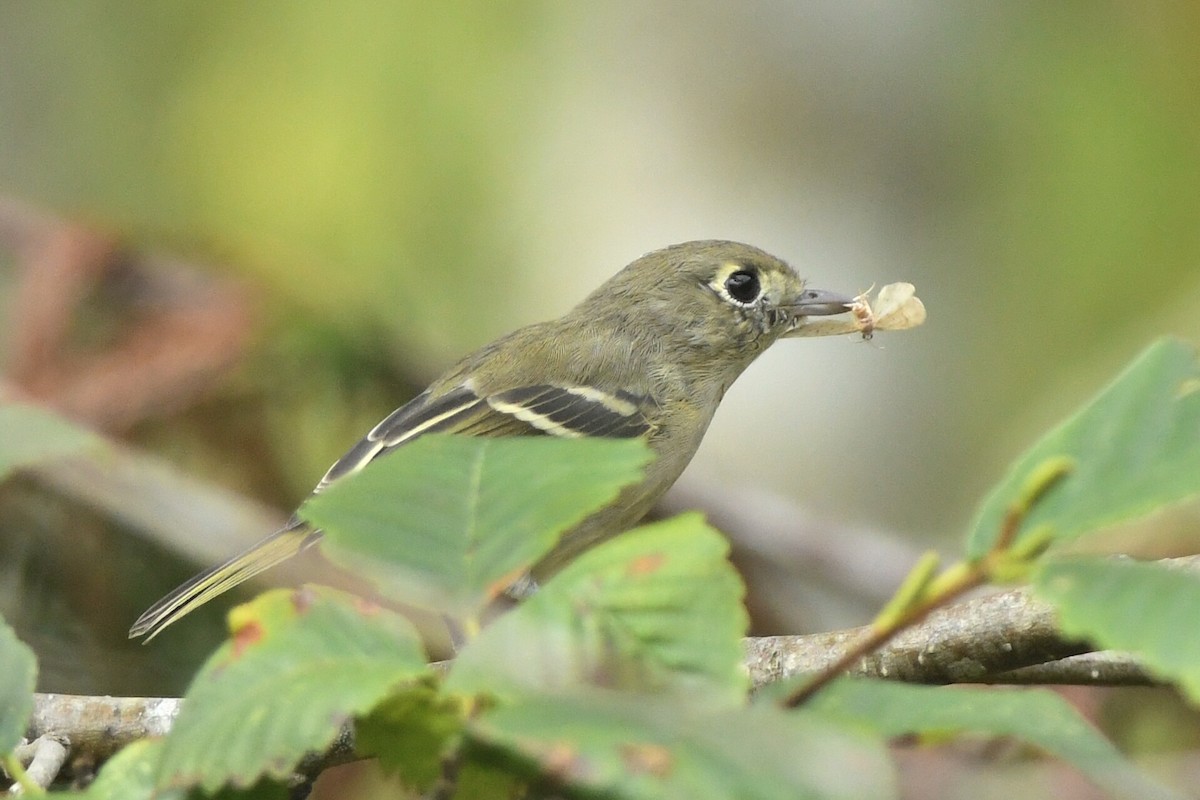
(820, 303)
(816, 303)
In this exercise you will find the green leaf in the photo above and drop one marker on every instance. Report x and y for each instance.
(488, 781)
(409, 731)
(1135, 449)
(30, 435)
(130, 774)
(18, 674)
(298, 666)
(448, 522)
(1143, 608)
(654, 747)
(659, 606)
(1036, 716)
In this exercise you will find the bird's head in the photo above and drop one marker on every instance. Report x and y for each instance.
(718, 299)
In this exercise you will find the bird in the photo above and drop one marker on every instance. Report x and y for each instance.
(649, 354)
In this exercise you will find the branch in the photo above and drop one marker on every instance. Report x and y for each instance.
(100, 726)
(1006, 637)
(1105, 668)
(962, 643)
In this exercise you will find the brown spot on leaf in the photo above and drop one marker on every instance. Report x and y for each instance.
(302, 599)
(246, 636)
(647, 759)
(366, 607)
(562, 761)
(644, 565)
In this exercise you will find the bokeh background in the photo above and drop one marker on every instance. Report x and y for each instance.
(389, 185)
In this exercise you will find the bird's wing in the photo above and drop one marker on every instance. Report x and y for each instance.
(568, 411)
(526, 411)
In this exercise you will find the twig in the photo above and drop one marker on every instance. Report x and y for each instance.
(875, 637)
(1105, 668)
(22, 781)
(964, 642)
(45, 757)
(922, 592)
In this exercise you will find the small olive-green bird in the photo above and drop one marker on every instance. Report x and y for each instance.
(649, 354)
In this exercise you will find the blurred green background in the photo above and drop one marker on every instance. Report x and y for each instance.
(397, 183)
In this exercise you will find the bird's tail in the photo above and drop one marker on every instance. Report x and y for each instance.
(278, 547)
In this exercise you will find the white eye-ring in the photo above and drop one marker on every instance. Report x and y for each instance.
(744, 287)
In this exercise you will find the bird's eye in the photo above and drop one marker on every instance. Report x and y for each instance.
(743, 286)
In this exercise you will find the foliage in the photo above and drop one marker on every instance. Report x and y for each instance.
(646, 747)
(1131, 606)
(1133, 450)
(465, 517)
(19, 669)
(297, 666)
(658, 608)
(622, 676)
(1036, 716)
